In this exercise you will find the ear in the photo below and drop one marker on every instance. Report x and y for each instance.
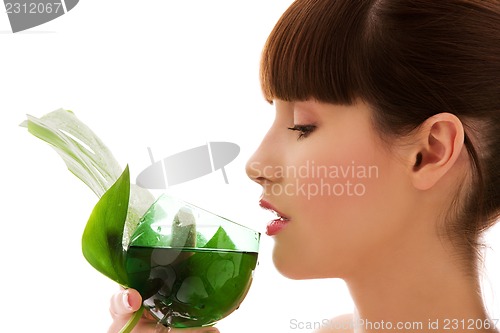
(440, 140)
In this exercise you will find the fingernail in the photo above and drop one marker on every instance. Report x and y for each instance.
(125, 300)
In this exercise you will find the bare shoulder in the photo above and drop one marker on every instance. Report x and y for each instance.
(339, 324)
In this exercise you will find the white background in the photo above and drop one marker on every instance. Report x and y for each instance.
(170, 75)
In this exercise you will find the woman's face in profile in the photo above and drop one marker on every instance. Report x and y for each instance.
(346, 195)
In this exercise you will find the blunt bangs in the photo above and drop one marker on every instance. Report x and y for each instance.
(314, 52)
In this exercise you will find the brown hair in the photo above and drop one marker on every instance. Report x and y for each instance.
(409, 60)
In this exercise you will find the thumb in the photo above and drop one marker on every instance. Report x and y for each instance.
(125, 302)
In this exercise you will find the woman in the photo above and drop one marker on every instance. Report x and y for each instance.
(382, 162)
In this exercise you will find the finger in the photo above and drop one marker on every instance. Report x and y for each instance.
(125, 302)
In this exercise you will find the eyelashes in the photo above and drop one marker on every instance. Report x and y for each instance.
(304, 130)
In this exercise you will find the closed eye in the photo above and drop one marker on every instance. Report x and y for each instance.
(304, 130)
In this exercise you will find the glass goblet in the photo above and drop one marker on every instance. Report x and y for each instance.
(191, 267)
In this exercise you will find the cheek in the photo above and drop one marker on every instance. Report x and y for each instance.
(344, 212)
(344, 180)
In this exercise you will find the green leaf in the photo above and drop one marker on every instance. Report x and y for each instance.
(220, 240)
(200, 262)
(88, 158)
(102, 237)
(134, 319)
(83, 152)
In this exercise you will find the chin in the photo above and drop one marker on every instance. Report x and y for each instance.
(293, 275)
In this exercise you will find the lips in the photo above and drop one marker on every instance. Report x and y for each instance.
(276, 225)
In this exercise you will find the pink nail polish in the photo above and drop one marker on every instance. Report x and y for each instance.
(125, 300)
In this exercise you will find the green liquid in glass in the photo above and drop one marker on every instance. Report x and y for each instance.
(186, 287)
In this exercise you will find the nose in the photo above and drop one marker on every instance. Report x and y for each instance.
(263, 167)
(254, 169)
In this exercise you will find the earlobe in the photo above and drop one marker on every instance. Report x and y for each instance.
(440, 143)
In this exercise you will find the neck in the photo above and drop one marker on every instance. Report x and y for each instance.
(423, 287)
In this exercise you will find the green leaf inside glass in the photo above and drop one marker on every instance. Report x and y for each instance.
(193, 273)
